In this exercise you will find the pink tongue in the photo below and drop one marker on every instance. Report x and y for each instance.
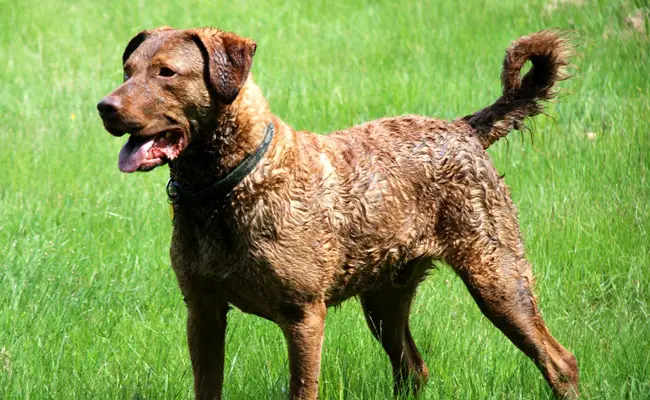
(133, 154)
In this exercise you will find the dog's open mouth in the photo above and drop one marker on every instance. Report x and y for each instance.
(144, 153)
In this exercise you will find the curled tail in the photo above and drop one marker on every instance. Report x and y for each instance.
(549, 53)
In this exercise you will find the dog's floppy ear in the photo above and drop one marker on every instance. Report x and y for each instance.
(228, 60)
(134, 43)
(137, 40)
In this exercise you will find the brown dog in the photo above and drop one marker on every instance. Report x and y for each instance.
(284, 224)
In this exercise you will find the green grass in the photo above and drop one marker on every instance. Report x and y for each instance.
(89, 307)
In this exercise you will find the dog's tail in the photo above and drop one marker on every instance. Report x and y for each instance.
(549, 52)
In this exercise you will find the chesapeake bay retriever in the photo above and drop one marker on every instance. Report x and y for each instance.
(283, 223)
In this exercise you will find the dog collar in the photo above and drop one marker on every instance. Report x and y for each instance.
(176, 191)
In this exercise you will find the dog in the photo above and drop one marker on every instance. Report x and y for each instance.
(284, 224)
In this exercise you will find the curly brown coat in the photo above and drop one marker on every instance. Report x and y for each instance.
(360, 212)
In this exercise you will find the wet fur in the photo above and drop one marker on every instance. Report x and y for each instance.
(359, 212)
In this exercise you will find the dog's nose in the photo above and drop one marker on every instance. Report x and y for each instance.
(109, 106)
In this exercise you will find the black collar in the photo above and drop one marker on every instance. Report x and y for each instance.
(176, 191)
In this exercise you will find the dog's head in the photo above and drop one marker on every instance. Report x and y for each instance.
(174, 80)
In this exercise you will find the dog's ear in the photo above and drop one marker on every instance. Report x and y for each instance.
(138, 39)
(228, 59)
(134, 43)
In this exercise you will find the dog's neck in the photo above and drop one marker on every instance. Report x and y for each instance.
(220, 145)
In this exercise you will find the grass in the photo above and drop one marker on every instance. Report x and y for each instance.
(89, 307)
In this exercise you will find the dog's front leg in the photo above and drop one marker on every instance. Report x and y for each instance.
(206, 334)
(303, 328)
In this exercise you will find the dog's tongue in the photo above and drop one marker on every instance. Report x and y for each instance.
(133, 153)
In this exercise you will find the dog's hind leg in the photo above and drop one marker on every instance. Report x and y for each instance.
(477, 226)
(500, 282)
(486, 250)
(387, 311)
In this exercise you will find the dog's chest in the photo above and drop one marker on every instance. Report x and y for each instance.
(211, 253)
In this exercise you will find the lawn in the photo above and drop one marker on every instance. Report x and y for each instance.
(89, 307)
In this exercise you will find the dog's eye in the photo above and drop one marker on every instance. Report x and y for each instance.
(166, 72)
